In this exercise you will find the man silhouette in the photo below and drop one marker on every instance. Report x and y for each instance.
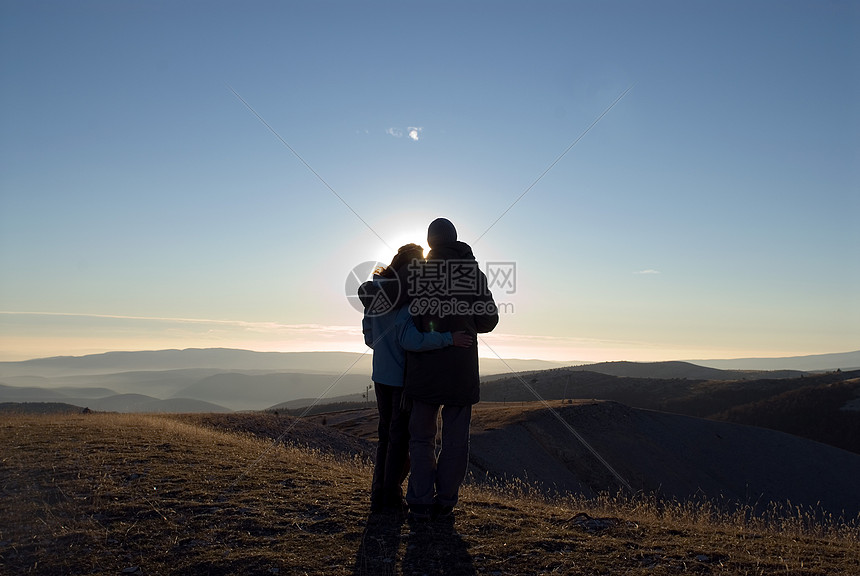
(449, 293)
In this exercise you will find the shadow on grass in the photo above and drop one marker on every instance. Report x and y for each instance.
(437, 548)
(430, 548)
(380, 542)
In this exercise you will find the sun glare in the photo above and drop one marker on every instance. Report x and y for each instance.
(385, 254)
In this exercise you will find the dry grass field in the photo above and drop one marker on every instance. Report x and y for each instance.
(167, 494)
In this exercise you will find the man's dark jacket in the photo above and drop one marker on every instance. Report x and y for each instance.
(450, 375)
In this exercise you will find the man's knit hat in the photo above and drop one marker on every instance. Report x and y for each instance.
(441, 232)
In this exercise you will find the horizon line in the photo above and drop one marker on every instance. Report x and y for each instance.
(370, 352)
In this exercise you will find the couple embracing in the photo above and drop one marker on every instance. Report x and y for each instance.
(421, 318)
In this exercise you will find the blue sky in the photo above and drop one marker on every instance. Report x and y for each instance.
(710, 213)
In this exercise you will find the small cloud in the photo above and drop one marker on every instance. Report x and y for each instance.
(647, 272)
(413, 132)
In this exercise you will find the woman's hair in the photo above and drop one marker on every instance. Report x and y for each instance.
(398, 270)
(405, 255)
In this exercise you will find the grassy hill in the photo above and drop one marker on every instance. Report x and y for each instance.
(699, 398)
(773, 403)
(160, 494)
(671, 456)
(827, 412)
(38, 408)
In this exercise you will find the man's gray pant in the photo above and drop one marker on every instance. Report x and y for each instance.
(437, 479)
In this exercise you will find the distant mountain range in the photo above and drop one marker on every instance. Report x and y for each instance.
(813, 363)
(686, 370)
(201, 380)
(179, 390)
(220, 359)
(190, 359)
(99, 399)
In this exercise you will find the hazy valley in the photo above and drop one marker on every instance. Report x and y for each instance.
(198, 380)
(204, 380)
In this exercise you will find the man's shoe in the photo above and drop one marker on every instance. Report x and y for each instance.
(441, 512)
(419, 513)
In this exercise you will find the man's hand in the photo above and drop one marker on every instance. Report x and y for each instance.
(462, 339)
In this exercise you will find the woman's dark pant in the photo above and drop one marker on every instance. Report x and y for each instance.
(392, 452)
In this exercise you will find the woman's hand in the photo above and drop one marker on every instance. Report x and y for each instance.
(462, 339)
